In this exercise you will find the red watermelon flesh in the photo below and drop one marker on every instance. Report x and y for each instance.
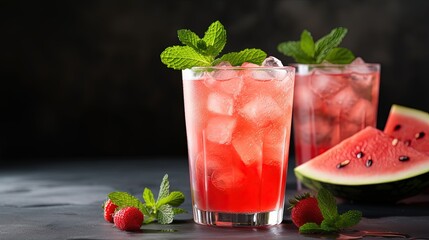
(369, 157)
(410, 126)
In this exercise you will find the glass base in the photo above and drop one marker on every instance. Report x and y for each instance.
(222, 219)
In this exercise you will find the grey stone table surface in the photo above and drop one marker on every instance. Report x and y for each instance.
(62, 200)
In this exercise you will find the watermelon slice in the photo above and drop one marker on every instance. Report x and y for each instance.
(368, 166)
(410, 126)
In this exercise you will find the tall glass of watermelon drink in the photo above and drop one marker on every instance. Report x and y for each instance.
(336, 94)
(332, 102)
(238, 122)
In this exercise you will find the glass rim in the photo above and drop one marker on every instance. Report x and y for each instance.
(199, 68)
(327, 65)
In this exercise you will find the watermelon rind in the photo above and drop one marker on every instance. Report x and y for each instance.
(382, 192)
(411, 112)
(376, 184)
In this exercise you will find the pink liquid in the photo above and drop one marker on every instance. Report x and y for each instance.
(330, 106)
(238, 133)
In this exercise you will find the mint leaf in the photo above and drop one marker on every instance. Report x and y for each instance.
(293, 50)
(162, 210)
(328, 42)
(165, 214)
(340, 56)
(148, 197)
(251, 55)
(179, 211)
(327, 204)
(164, 188)
(332, 222)
(189, 38)
(183, 57)
(307, 43)
(174, 199)
(310, 228)
(349, 218)
(203, 52)
(325, 49)
(124, 199)
(329, 225)
(215, 38)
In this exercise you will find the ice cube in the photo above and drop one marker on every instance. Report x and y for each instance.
(207, 163)
(306, 103)
(269, 74)
(274, 145)
(325, 85)
(362, 113)
(228, 178)
(229, 82)
(362, 83)
(223, 72)
(219, 129)
(359, 66)
(272, 62)
(249, 65)
(261, 110)
(248, 146)
(342, 102)
(263, 75)
(316, 131)
(357, 61)
(220, 103)
(224, 64)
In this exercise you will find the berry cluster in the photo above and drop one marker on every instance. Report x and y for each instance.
(126, 219)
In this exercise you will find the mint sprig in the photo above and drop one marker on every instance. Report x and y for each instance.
(162, 210)
(332, 220)
(203, 52)
(325, 49)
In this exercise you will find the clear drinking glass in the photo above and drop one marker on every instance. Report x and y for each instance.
(331, 103)
(238, 122)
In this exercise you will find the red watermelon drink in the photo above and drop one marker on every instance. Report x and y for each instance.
(238, 128)
(336, 94)
(332, 102)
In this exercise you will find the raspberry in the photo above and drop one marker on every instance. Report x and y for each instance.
(305, 209)
(109, 209)
(128, 219)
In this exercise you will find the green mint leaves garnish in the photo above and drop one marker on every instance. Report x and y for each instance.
(163, 209)
(204, 52)
(325, 49)
(332, 220)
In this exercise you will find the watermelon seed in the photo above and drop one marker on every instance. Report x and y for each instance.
(368, 163)
(343, 164)
(420, 135)
(395, 141)
(403, 158)
(397, 127)
(407, 142)
(359, 155)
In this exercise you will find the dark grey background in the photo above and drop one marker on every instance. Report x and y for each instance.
(84, 78)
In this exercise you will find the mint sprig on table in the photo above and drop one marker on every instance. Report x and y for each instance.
(163, 209)
(325, 49)
(332, 220)
(204, 52)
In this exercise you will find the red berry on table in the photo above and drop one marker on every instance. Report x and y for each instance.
(128, 219)
(109, 209)
(305, 209)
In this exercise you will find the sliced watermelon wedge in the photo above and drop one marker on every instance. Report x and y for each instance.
(410, 126)
(368, 166)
